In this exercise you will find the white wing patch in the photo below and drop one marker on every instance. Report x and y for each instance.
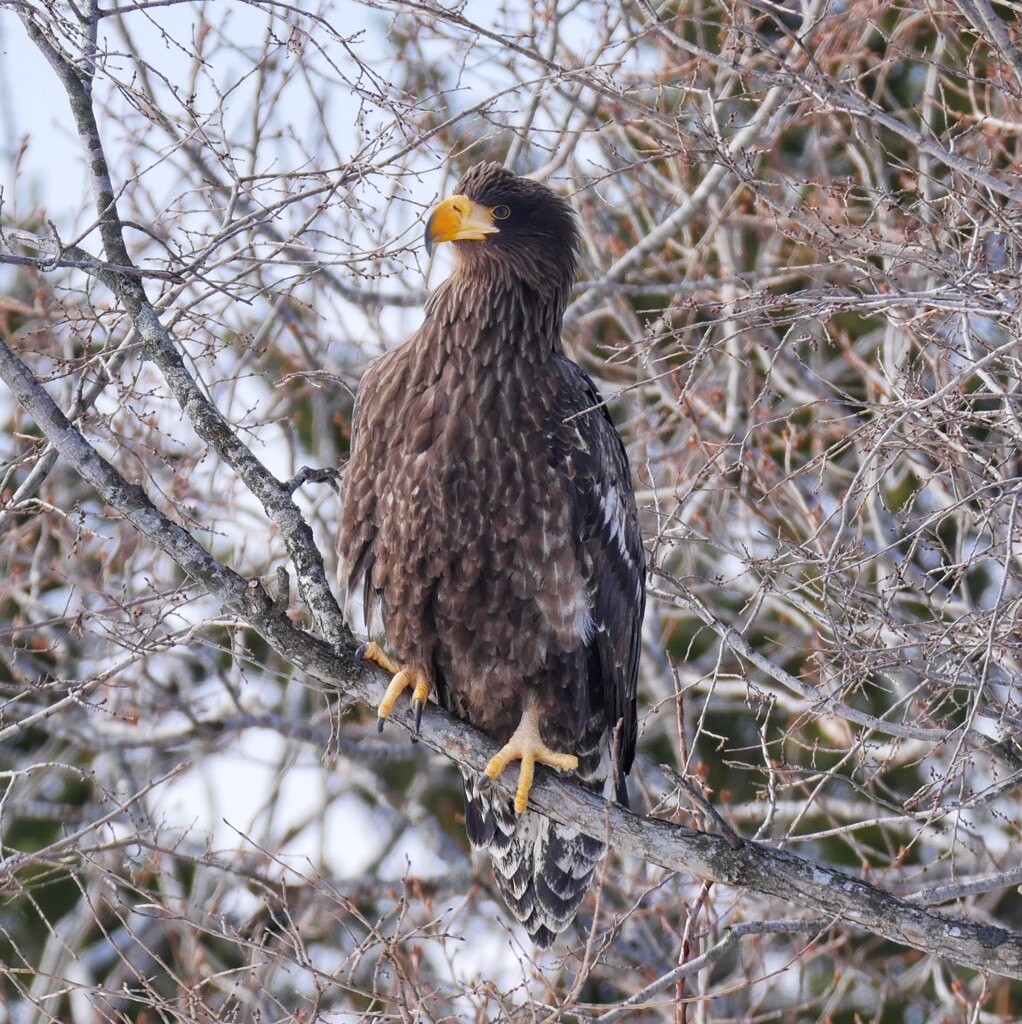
(612, 520)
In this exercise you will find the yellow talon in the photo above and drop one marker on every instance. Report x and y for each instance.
(373, 652)
(527, 746)
(421, 692)
(403, 679)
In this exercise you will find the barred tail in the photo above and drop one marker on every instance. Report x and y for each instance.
(542, 869)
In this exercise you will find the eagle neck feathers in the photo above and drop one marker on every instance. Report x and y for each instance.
(480, 305)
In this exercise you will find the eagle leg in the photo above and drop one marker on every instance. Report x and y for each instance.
(403, 679)
(527, 746)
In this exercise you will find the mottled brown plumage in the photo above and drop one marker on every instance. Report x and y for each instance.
(489, 521)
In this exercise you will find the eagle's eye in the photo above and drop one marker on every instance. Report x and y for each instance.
(501, 212)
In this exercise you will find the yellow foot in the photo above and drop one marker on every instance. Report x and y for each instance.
(527, 746)
(403, 679)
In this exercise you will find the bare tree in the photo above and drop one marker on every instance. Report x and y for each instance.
(801, 297)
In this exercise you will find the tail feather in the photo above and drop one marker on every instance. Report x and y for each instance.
(543, 870)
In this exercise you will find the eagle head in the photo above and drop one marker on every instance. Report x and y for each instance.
(514, 226)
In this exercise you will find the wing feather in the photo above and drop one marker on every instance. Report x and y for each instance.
(593, 463)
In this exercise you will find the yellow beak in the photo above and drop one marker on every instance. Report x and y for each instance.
(458, 219)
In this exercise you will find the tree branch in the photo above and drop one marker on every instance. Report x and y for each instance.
(158, 346)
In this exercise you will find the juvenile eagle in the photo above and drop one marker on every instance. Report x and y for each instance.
(490, 523)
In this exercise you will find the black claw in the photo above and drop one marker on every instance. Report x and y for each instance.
(379, 724)
(360, 653)
(417, 706)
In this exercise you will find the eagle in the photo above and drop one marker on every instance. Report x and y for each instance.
(488, 521)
